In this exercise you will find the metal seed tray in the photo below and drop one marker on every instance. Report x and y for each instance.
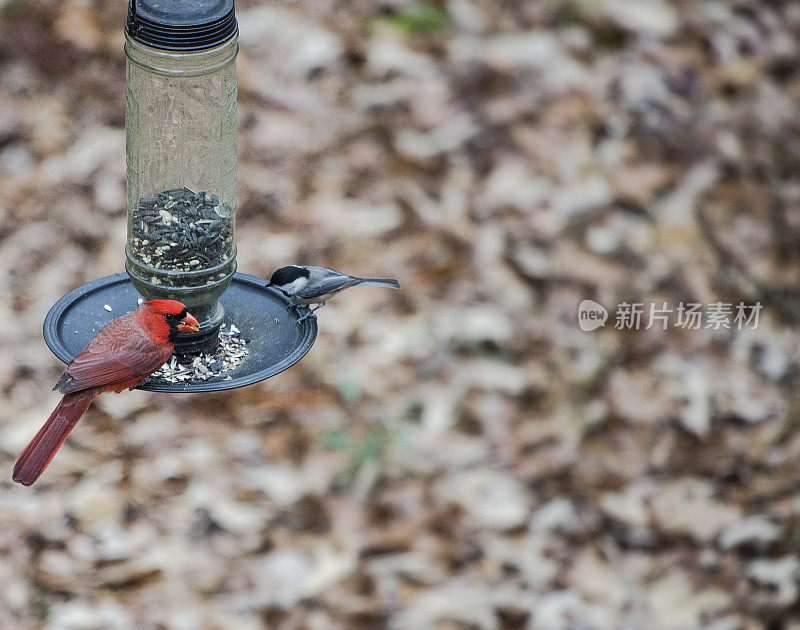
(263, 315)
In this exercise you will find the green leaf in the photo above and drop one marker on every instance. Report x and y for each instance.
(419, 18)
(336, 440)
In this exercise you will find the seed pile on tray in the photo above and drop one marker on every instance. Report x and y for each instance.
(231, 351)
(181, 230)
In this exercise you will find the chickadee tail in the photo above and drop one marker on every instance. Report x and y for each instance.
(381, 282)
(43, 447)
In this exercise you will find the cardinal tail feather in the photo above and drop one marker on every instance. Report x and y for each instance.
(43, 447)
(382, 282)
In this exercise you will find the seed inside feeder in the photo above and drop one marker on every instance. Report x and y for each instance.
(183, 230)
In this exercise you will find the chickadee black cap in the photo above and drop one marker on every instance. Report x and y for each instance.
(287, 275)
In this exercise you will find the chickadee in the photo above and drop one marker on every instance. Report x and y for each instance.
(314, 285)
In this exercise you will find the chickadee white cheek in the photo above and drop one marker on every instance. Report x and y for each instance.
(295, 285)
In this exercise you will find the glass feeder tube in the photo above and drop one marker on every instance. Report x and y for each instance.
(180, 118)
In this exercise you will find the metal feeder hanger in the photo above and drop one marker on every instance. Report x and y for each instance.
(180, 119)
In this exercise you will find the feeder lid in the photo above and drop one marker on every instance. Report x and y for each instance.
(276, 340)
(183, 25)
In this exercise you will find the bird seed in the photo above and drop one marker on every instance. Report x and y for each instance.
(230, 352)
(181, 230)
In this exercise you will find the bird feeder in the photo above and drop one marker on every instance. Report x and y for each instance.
(180, 119)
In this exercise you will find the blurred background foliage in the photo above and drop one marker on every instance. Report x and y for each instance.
(459, 454)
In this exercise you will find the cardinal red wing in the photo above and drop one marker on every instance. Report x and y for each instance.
(104, 362)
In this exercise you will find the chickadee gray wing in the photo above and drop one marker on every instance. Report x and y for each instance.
(324, 281)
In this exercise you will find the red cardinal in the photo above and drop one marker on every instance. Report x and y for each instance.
(123, 354)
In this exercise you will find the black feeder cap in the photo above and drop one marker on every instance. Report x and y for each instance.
(181, 25)
(265, 317)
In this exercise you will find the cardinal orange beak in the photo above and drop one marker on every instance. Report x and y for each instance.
(189, 323)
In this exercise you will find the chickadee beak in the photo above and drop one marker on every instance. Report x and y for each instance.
(189, 323)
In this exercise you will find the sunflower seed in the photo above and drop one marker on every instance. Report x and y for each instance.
(177, 227)
(230, 352)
